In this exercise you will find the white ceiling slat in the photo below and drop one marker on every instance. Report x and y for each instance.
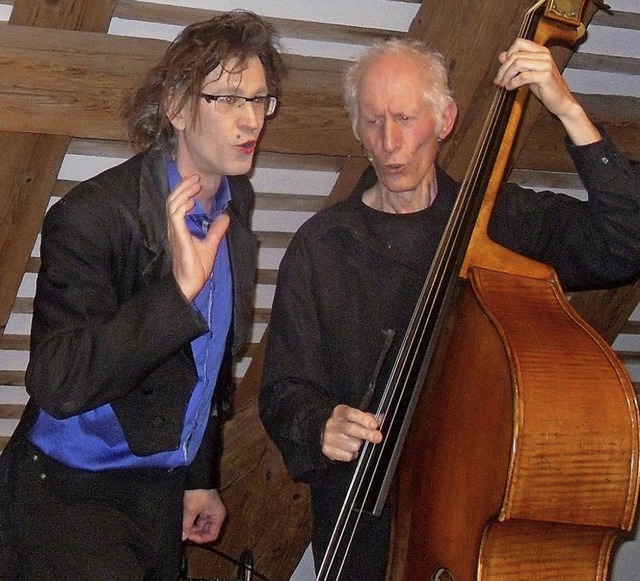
(18, 324)
(264, 296)
(270, 257)
(566, 183)
(12, 395)
(292, 181)
(625, 5)
(27, 287)
(283, 202)
(82, 167)
(14, 360)
(281, 220)
(382, 14)
(288, 45)
(611, 41)
(7, 427)
(602, 83)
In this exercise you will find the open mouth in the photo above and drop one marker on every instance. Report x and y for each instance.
(393, 168)
(247, 147)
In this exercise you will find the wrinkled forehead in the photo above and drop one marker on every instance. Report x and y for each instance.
(393, 68)
(392, 79)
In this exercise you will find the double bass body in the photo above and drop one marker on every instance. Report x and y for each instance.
(521, 463)
(513, 424)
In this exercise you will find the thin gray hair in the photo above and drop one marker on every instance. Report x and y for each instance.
(437, 91)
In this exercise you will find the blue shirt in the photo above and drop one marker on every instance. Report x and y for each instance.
(94, 440)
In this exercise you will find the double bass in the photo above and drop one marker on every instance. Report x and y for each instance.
(511, 429)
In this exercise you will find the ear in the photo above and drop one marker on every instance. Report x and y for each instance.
(174, 114)
(448, 119)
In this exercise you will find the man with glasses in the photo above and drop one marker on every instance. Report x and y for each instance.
(143, 298)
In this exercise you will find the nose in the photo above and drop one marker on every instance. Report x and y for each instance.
(248, 117)
(390, 136)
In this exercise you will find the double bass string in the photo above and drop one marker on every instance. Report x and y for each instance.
(412, 352)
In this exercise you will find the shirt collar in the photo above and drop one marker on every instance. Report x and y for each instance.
(221, 200)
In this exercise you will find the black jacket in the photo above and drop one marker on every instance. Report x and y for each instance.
(110, 324)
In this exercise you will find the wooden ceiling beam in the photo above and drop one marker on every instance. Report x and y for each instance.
(545, 146)
(65, 83)
(73, 83)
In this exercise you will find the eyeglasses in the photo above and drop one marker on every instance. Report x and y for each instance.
(231, 105)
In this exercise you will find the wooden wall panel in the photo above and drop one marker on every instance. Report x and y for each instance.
(29, 169)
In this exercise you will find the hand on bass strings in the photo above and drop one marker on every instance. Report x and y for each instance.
(346, 430)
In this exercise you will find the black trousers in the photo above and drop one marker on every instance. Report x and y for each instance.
(62, 524)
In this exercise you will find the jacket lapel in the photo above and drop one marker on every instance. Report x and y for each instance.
(154, 191)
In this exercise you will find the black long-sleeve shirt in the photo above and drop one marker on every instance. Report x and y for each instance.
(352, 271)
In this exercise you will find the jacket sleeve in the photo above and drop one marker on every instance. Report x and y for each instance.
(204, 471)
(92, 341)
(292, 407)
(590, 244)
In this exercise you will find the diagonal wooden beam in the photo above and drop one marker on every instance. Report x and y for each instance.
(470, 37)
(30, 162)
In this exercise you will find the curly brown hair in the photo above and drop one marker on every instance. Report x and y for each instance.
(237, 35)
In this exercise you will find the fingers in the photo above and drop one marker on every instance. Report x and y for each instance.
(346, 431)
(217, 230)
(181, 200)
(205, 530)
(527, 63)
(524, 62)
(192, 258)
(203, 516)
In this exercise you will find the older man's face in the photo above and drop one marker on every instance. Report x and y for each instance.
(397, 127)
